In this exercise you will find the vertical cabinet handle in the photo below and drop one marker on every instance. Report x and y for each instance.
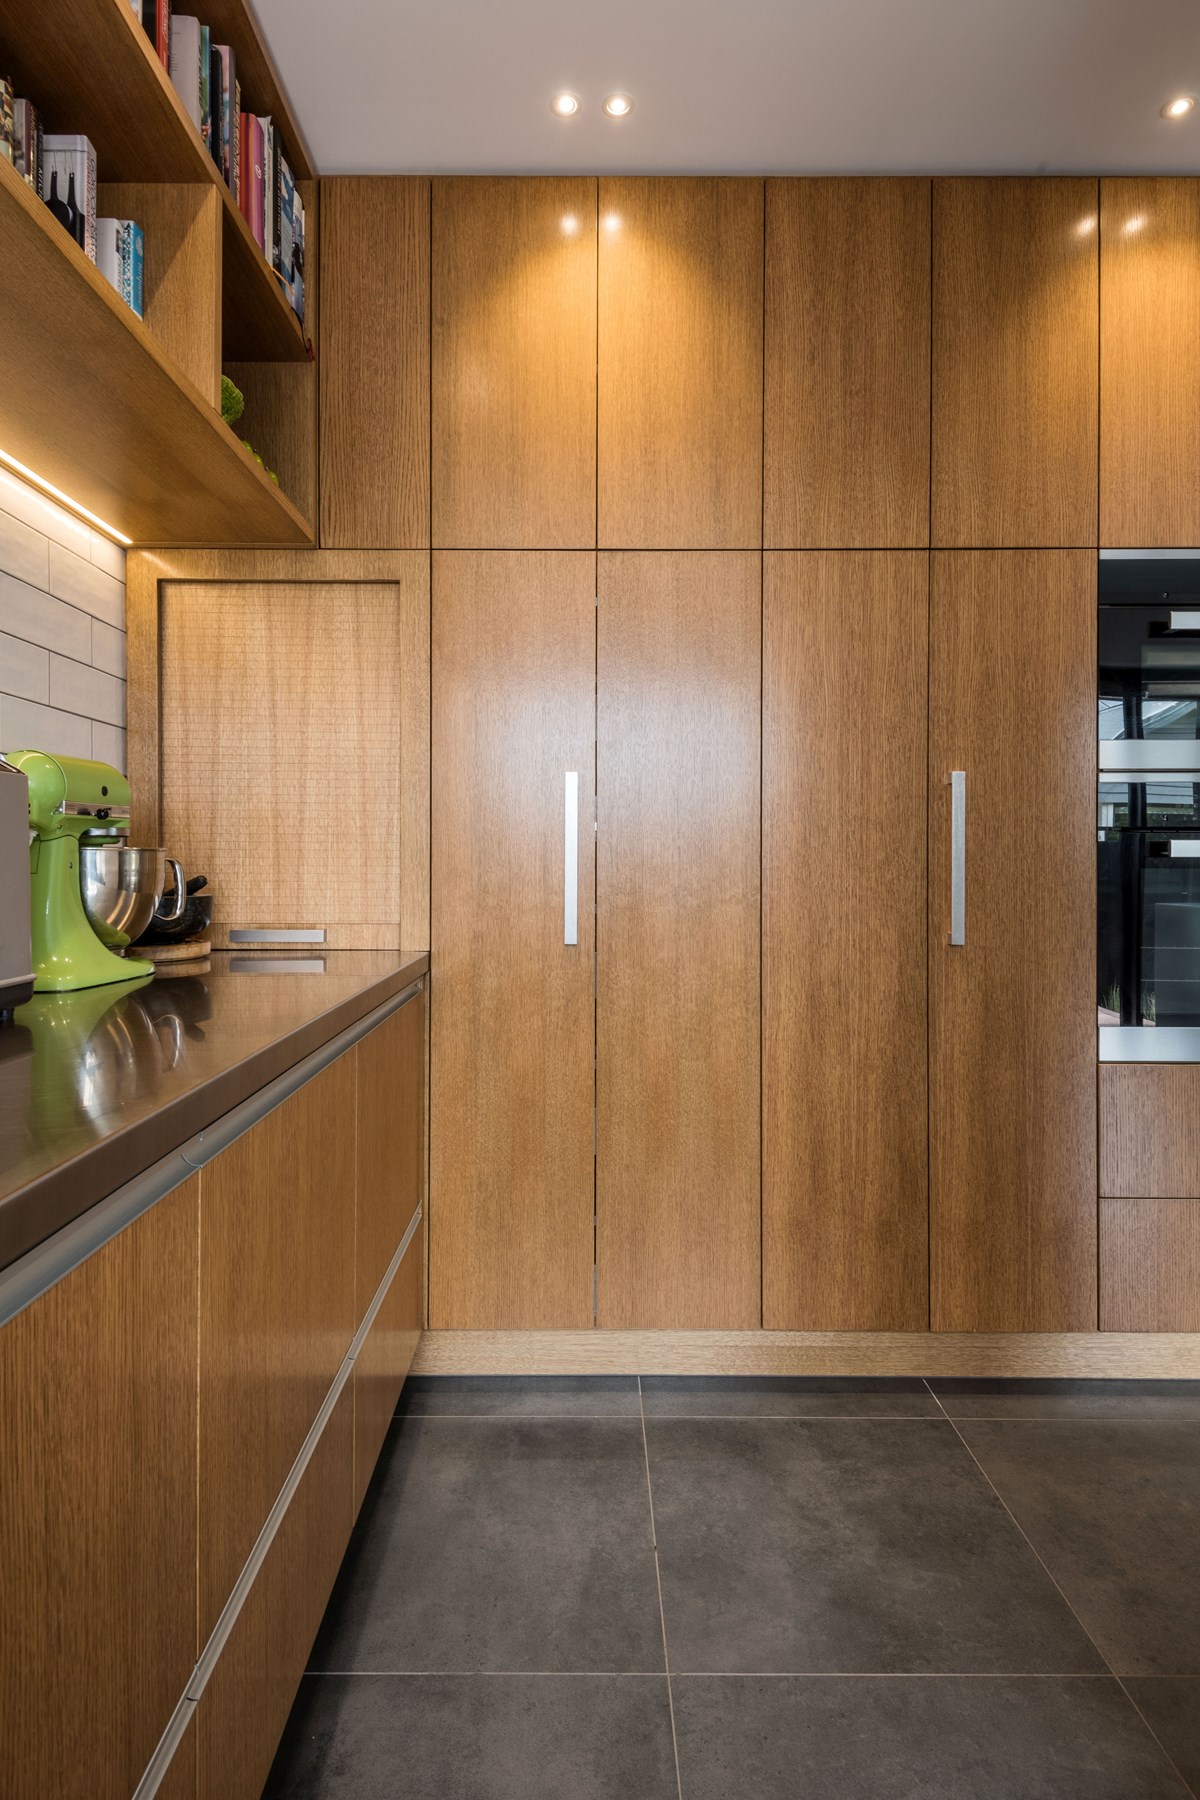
(958, 856)
(571, 858)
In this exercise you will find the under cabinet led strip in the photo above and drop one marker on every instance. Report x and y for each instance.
(75, 506)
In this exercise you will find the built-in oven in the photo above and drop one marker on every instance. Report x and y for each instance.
(1148, 818)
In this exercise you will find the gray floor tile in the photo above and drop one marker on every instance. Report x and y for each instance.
(522, 1397)
(477, 1737)
(795, 1546)
(1172, 1708)
(986, 1399)
(502, 1544)
(1114, 1511)
(786, 1397)
(943, 1738)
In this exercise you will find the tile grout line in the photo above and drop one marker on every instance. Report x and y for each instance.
(953, 1423)
(662, 1617)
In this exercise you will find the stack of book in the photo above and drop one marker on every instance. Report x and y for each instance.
(245, 146)
(21, 135)
(120, 254)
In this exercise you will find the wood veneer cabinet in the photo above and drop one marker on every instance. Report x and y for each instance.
(677, 907)
(680, 363)
(374, 366)
(1150, 361)
(514, 363)
(845, 1154)
(1150, 1264)
(511, 1046)
(1012, 1009)
(97, 1546)
(846, 389)
(1015, 362)
(1150, 1130)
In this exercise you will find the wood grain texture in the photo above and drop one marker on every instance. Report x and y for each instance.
(1150, 1265)
(391, 1143)
(179, 1781)
(1149, 361)
(98, 1519)
(680, 363)
(1149, 1129)
(845, 1151)
(243, 1710)
(1082, 1354)
(677, 902)
(297, 817)
(1012, 1011)
(512, 1009)
(1015, 362)
(276, 1311)
(514, 363)
(846, 391)
(181, 225)
(374, 362)
(384, 1360)
(115, 424)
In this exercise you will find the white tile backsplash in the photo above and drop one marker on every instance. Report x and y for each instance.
(62, 630)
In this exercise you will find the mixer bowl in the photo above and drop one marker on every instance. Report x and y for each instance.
(121, 888)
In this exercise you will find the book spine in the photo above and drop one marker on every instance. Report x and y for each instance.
(204, 91)
(268, 154)
(277, 203)
(108, 251)
(162, 32)
(137, 257)
(258, 183)
(237, 127)
(89, 188)
(8, 134)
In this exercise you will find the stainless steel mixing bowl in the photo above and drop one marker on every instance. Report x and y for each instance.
(122, 886)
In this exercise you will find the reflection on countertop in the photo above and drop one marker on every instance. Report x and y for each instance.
(97, 1085)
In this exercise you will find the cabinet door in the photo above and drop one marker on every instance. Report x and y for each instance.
(846, 392)
(374, 362)
(845, 1121)
(1150, 362)
(1015, 362)
(276, 1311)
(98, 1528)
(680, 364)
(677, 900)
(512, 1015)
(514, 363)
(1013, 1008)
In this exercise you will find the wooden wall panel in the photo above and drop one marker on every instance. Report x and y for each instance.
(181, 223)
(512, 1007)
(374, 362)
(276, 1311)
(514, 363)
(1149, 1265)
(1015, 362)
(98, 1534)
(1012, 1010)
(298, 816)
(846, 393)
(1149, 1129)
(391, 1143)
(845, 1153)
(677, 903)
(680, 363)
(1149, 361)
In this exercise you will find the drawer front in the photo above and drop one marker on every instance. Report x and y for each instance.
(1150, 1265)
(1150, 1130)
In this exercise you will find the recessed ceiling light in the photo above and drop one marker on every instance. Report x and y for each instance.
(1180, 107)
(618, 106)
(564, 106)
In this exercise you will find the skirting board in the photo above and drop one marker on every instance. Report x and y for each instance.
(1111, 1354)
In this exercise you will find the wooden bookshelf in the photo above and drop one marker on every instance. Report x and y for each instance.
(212, 300)
(90, 400)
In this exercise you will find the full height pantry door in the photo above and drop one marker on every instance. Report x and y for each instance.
(512, 1004)
(1012, 1005)
(677, 898)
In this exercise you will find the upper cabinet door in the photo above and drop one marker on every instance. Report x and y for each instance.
(514, 364)
(374, 363)
(846, 425)
(1150, 362)
(1015, 363)
(680, 364)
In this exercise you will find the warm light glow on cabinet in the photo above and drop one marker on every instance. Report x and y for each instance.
(48, 487)
(570, 225)
(612, 221)
(1086, 226)
(1131, 226)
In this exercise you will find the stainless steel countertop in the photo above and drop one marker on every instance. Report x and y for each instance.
(97, 1085)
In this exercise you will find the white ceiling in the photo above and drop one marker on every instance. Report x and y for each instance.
(741, 85)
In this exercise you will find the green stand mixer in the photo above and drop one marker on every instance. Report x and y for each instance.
(90, 894)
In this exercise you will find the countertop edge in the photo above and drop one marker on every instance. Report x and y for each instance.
(64, 1193)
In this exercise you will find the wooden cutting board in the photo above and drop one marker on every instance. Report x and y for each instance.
(170, 953)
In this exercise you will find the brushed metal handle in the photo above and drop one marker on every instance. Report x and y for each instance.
(958, 856)
(1184, 849)
(571, 858)
(1184, 620)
